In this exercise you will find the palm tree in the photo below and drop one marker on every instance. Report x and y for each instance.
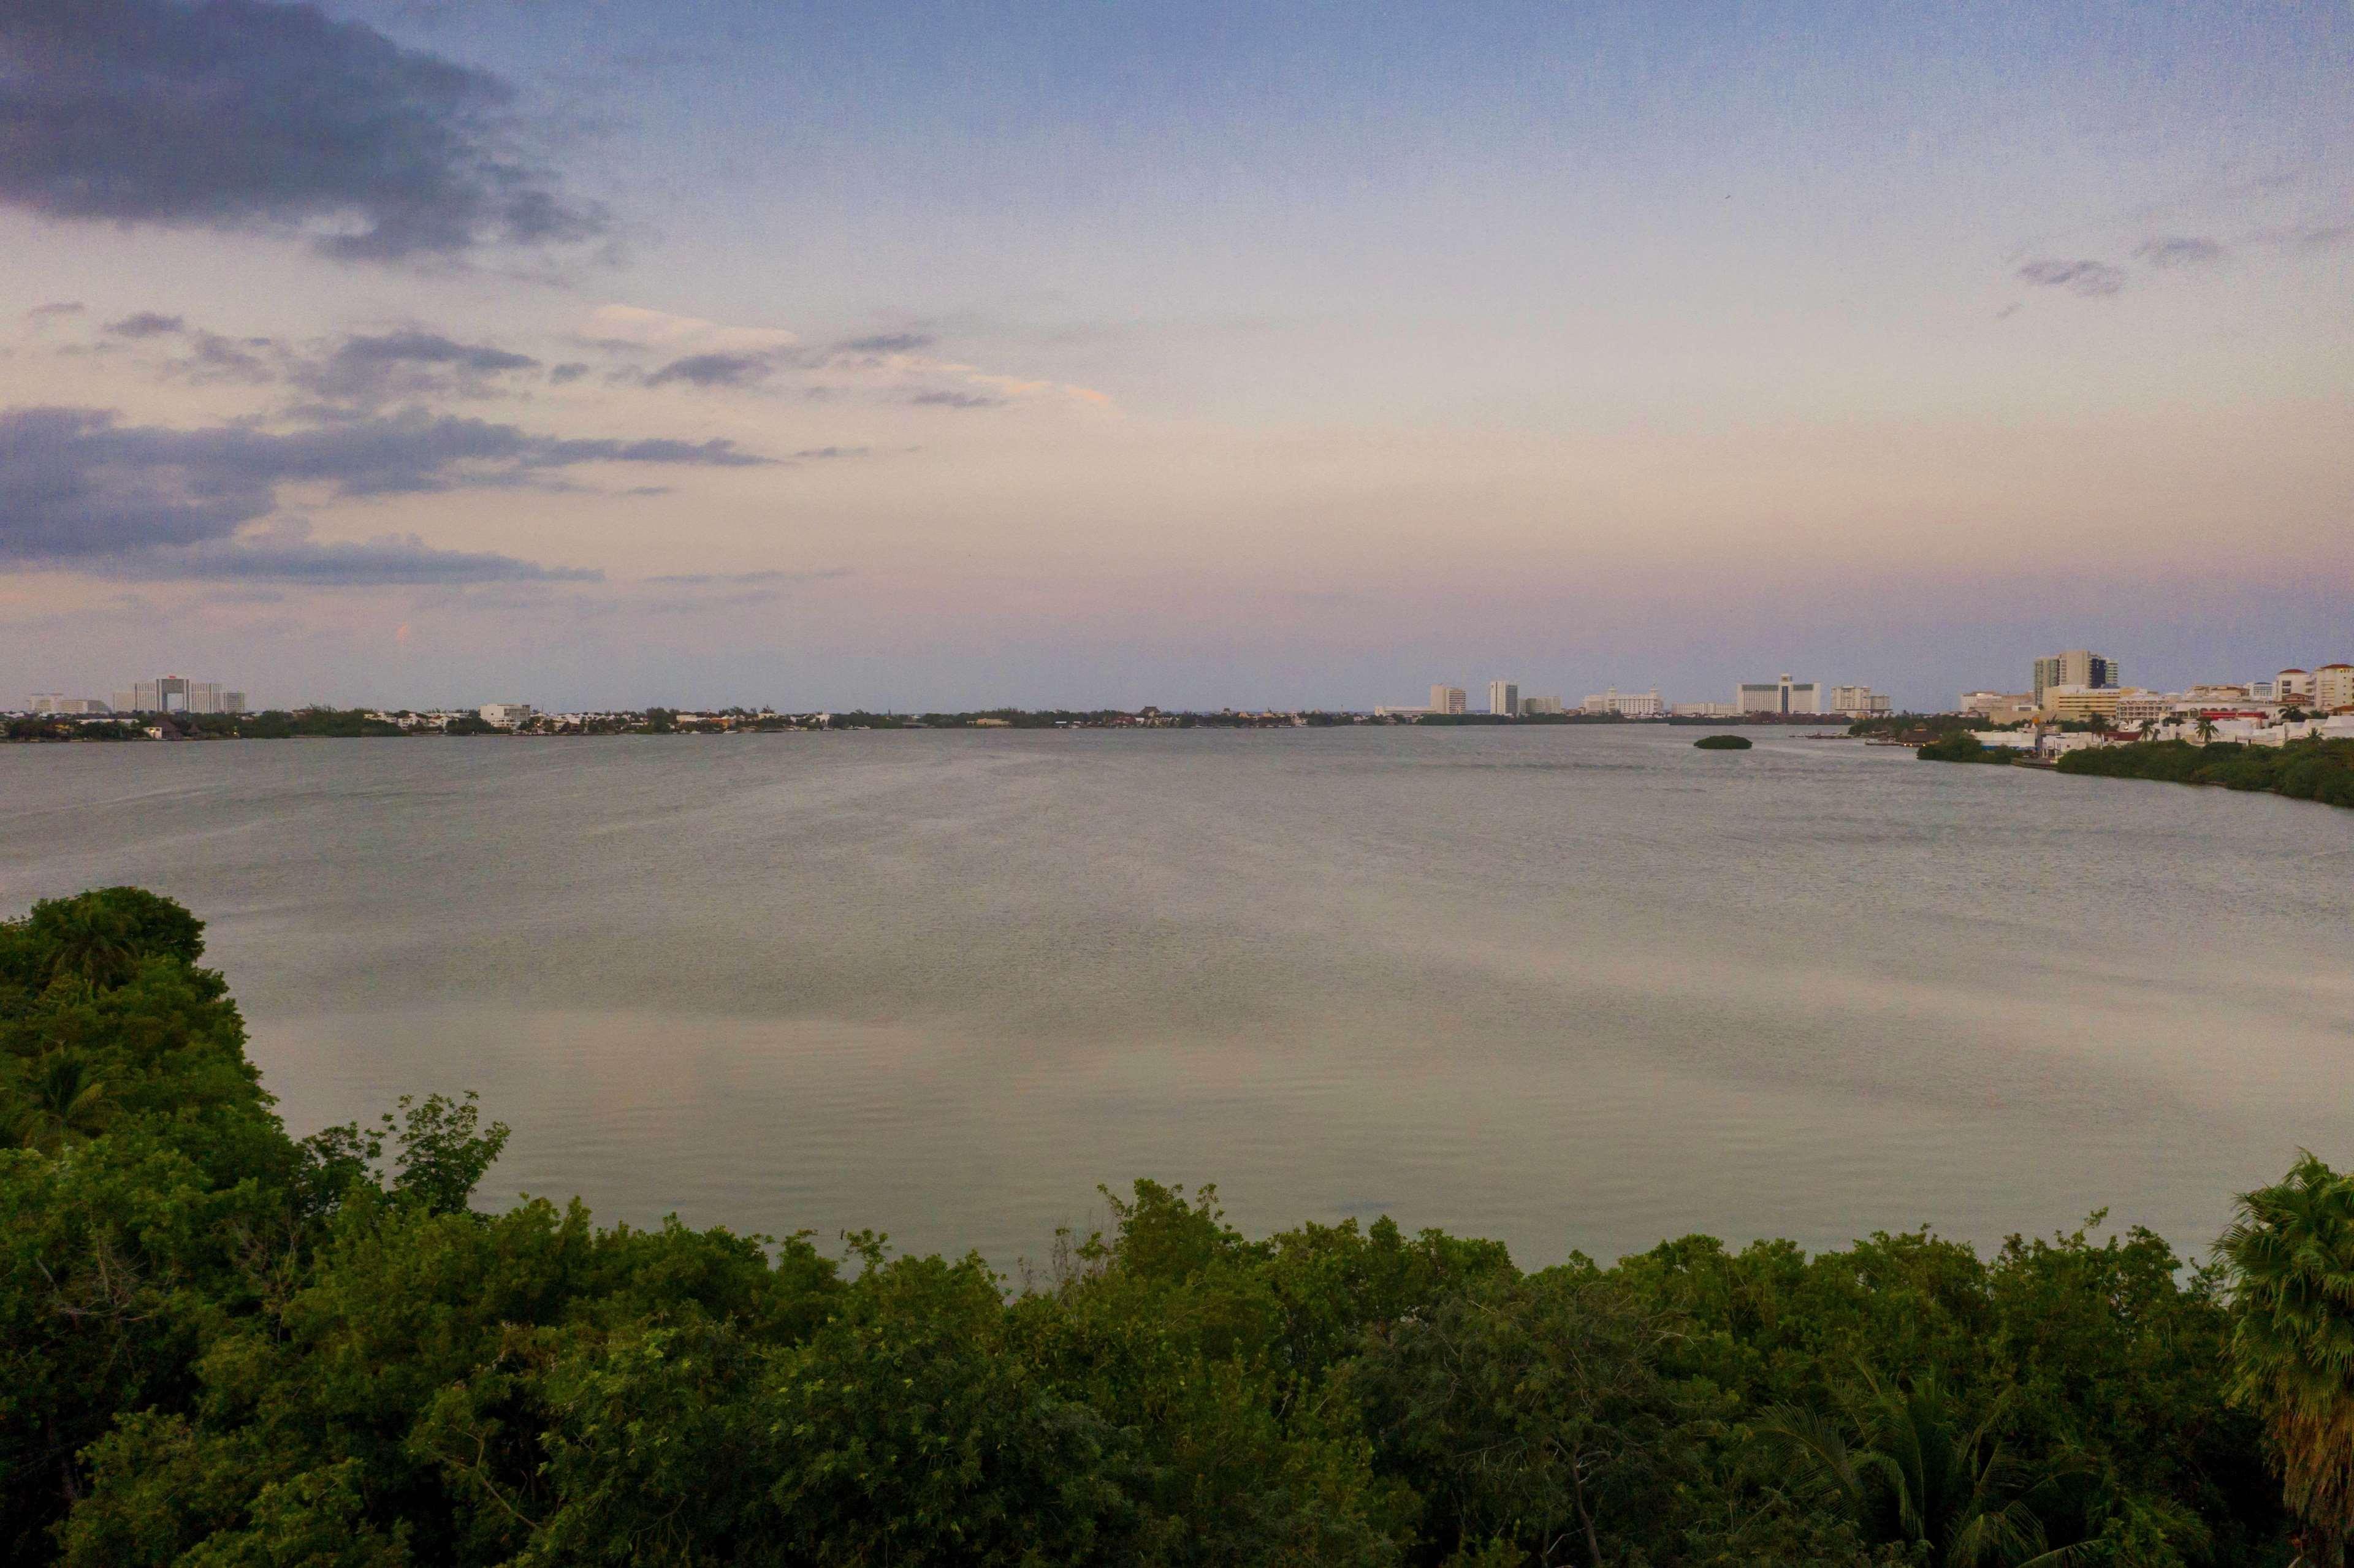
(2291, 1250)
(94, 944)
(61, 1102)
(2206, 729)
(1910, 1477)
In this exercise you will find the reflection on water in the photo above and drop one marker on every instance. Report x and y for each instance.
(1571, 987)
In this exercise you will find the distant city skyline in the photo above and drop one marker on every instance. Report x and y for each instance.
(2328, 684)
(1102, 355)
(2068, 669)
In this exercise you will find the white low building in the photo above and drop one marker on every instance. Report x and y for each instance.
(2338, 726)
(1628, 705)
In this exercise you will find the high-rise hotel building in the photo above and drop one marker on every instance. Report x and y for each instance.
(2076, 667)
(1782, 696)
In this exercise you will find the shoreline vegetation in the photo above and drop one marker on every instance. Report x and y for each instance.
(1961, 745)
(2317, 770)
(220, 1345)
(2320, 770)
(362, 724)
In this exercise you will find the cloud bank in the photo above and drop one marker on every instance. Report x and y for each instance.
(80, 489)
(286, 554)
(240, 114)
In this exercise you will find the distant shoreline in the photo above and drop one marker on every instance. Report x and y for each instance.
(42, 729)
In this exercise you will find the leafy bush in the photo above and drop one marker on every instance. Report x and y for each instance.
(222, 1345)
(1963, 746)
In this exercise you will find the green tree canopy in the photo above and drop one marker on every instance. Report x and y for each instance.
(2291, 1250)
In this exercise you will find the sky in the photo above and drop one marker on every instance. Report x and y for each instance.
(415, 352)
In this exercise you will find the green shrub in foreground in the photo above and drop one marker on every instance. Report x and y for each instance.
(219, 1345)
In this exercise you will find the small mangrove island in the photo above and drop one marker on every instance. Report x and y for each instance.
(1722, 743)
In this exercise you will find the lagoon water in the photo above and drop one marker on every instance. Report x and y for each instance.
(1572, 986)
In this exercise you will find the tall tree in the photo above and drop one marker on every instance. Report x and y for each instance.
(2291, 1250)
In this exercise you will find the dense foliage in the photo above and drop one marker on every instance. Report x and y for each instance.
(342, 724)
(1722, 743)
(221, 1346)
(2315, 769)
(41, 727)
(1961, 745)
(2292, 1344)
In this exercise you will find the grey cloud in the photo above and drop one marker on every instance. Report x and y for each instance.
(561, 374)
(76, 484)
(289, 554)
(56, 308)
(751, 368)
(2315, 237)
(712, 453)
(355, 375)
(747, 580)
(242, 114)
(215, 358)
(888, 343)
(938, 399)
(2178, 251)
(429, 348)
(2090, 279)
(146, 323)
(366, 370)
(714, 370)
(72, 483)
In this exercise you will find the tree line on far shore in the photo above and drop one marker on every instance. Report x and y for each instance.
(2312, 770)
(224, 1347)
(2309, 770)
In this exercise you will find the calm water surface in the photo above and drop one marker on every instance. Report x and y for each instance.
(1569, 987)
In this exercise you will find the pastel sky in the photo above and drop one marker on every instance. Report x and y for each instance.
(578, 351)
